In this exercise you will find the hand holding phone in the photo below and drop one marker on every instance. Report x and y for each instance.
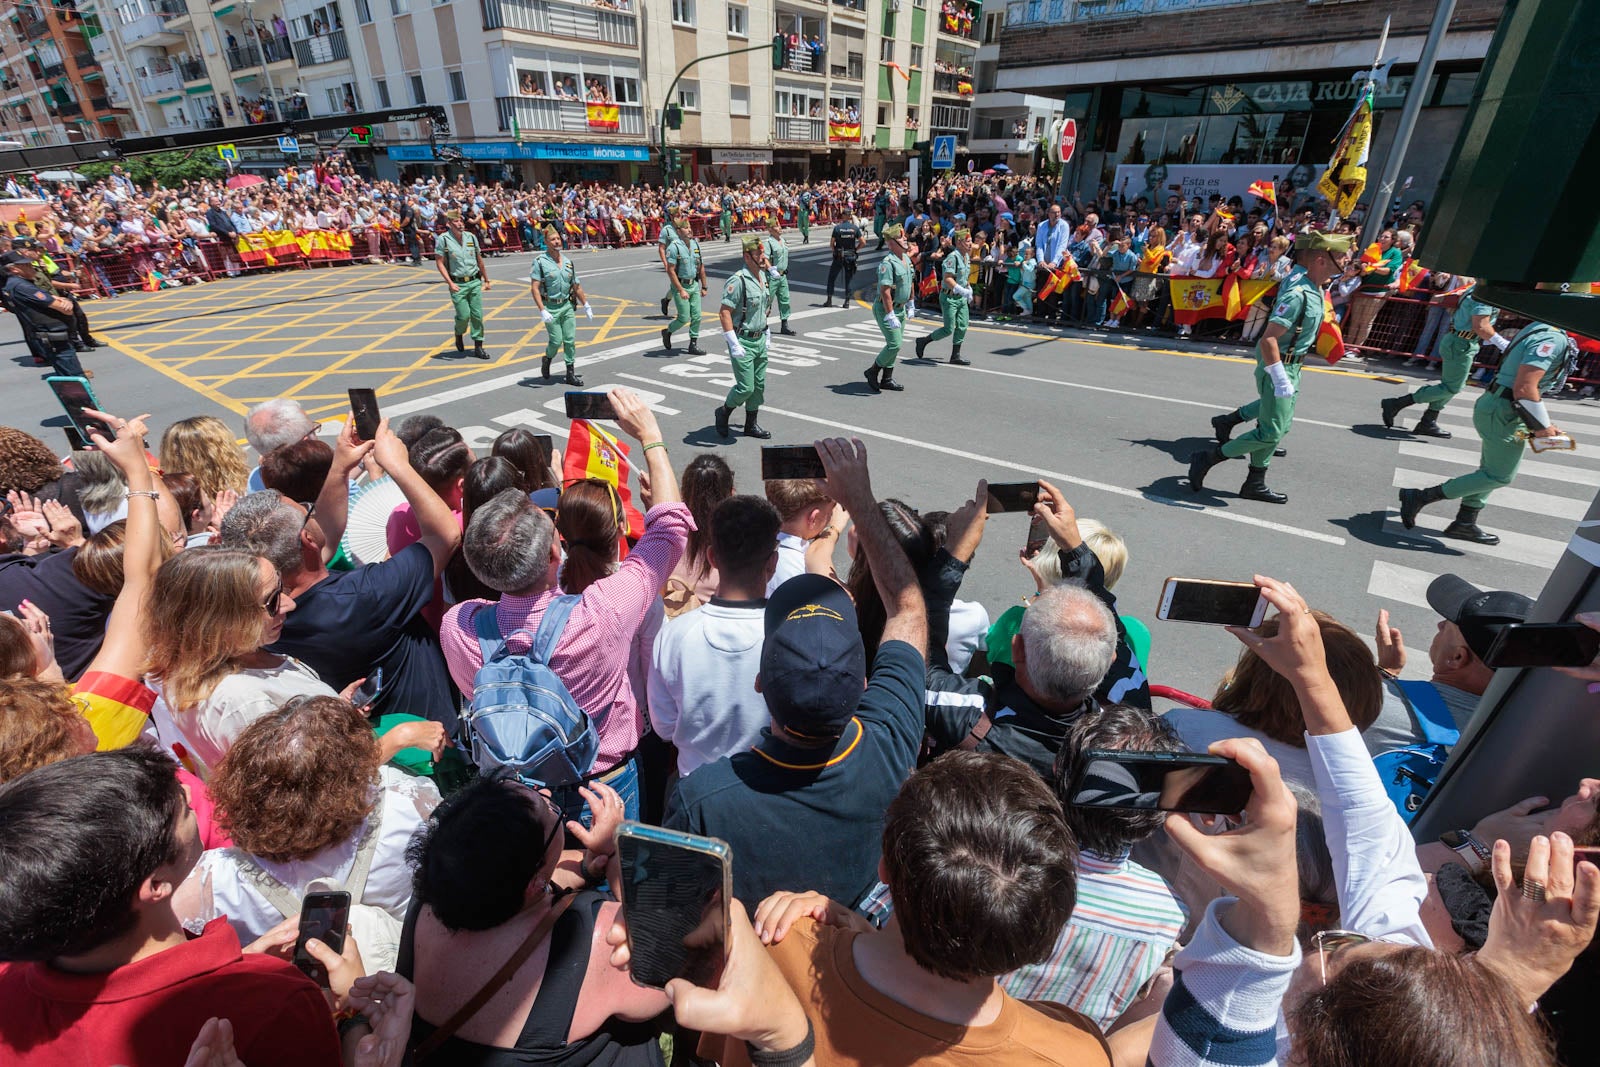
(1543, 644)
(790, 461)
(590, 406)
(77, 399)
(675, 893)
(324, 917)
(364, 412)
(1188, 782)
(1012, 496)
(1211, 602)
(367, 692)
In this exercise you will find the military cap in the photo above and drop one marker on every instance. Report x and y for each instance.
(894, 232)
(750, 244)
(1316, 241)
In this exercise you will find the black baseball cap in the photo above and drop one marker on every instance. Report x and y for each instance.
(12, 258)
(813, 664)
(1479, 614)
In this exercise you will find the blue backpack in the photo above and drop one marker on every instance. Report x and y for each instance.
(522, 716)
(1408, 773)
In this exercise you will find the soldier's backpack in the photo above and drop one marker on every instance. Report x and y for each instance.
(522, 717)
(1409, 773)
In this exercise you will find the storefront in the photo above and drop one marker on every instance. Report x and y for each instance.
(532, 162)
(723, 166)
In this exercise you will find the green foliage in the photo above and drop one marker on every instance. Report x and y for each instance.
(166, 168)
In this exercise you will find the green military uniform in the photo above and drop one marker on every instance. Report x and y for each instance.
(778, 258)
(749, 299)
(1458, 346)
(951, 303)
(727, 216)
(895, 273)
(668, 237)
(1299, 311)
(556, 283)
(683, 259)
(461, 263)
(803, 217)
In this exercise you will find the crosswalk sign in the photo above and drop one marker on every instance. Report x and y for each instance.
(944, 152)
(289, 146)
(228, 153)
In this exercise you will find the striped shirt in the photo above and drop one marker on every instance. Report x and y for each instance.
(1124, 925)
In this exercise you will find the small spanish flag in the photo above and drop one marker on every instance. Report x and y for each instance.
(1264, 191)
(929, 284)
(1121, 305)
(1330, 339)
(594, 453)
(1372, 257)
(1411, 276)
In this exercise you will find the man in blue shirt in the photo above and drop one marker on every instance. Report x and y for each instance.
(1050, 249)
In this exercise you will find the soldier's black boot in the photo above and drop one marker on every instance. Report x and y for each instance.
(871, 375)
(1412, 501)
(1466, 527)
(664, 302)
(666, 338)
(753, 428)
(1428, 425)
(544, 368)
(723, 412)
(886, 380)
(1200, 463)
(1222, 426)
(477, 350)
(461, 343)
(783, 328)
(573, 377)
(1392, 406)
(694, 348)
(1255, 488)
(920, 344)
(955, 357)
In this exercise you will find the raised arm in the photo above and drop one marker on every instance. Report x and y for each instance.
(440, 533)
(333, 502)
(845, 463)
(123, 651)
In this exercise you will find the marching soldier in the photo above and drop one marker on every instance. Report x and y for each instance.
(895, 274)
(727, 215)
(778, 270)
(746, 300)
(553, 284)
(803, 216)
(460, 261)
(1471, 325)
(1506, 415)
(954, 292)
(1291, 333)
(686, 270)
(880, 215)
(669, 236)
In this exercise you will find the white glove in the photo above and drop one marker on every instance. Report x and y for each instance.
(892, 321)
(775, 272)
(735, 349)
(964, 292)
(1282, 387)
(911, 312)
(587, 310)
(544, 313)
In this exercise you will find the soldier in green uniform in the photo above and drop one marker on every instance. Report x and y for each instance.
(895, 274)
(803, 216)
(669, 236)
(727, 215)
(880, 216)
(778, 271)
(746, 300)
(460, 261)
(553, 283)
(686, 269)
(1506, 414)
(1471, 326)
(1291, 333)
(954, 292)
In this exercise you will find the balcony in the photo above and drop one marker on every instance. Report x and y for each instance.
(148, 30)
(191, 68)
(1055, 12)
(323, 48)
(172, 11)
(945, 82)
(160, 82)
(100, 103)
(117, 93)
(851, 70)
(557, 18)
(958, 19)
(52, 70)
(857, 7)
(35, 28)
(804, 61)
(250, 54)
(797, 128)
(69, 110)
(100, 45)
(543, 114)
(85, 60)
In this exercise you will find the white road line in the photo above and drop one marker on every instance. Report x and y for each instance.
(1556, 468)
(1514, 547)
(1405, 584)
(991, 462)
(1561, 507)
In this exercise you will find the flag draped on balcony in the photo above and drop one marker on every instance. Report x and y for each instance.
(844, 131)
(603, 117)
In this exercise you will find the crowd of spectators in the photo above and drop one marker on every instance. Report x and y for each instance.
(208, 709)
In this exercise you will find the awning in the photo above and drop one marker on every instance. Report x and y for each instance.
(170, 100)
(60, 176)
(198, 89)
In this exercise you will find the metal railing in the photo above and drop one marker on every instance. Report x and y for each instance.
(100, 103)
(804, 61)
(951, 83)
(797, 128)
(546, 115)
(52, 70)
(1054, 12)
(85, 59)
(557, 18)
(192, 69)
(171, 10)
(160, 81)
(323, 48)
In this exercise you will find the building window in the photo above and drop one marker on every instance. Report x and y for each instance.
(418, 94)
(739, 100)
(683, 12)
(738, 20)
(913, 118)
(458, 81)
(383, 92)
(625, 90)
(399, 7)
(916, 56)
(689, 96)
(363, 11)
(886, 50)
(883, 114)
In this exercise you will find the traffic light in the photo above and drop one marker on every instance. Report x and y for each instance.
(674, 117)
(671, 159)
(361, 134)
(780, 51)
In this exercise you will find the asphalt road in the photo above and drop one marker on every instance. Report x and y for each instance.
(1108, 421)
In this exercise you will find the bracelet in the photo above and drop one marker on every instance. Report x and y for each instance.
(151, 493)
(787, 1058)
(653, 444)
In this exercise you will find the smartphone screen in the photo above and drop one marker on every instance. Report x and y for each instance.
(790, 461)
(1543, 644)
(675, 906)
(590, 406)
(75, 395)
(75, 440)
(1012, 496)
(1217, 603)
(368, 691)
(1038, 534)
(364, 409)
(1160, 781)
(547, 447)
(324, 916)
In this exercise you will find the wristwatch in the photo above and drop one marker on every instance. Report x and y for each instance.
(1474, 853)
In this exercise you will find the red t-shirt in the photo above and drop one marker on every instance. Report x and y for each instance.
(149, 1012)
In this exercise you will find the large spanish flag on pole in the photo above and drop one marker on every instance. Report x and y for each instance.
(603, 117)
(594, 453)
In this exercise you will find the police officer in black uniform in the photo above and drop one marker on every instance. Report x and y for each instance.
(846, 245)
(48, 318)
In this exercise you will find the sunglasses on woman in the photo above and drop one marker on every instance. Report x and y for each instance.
(1330, 943)
(270, 604)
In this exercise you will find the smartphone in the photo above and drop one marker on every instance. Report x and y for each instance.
(324, 916)
(790, 461)
(1038, 534)
(1162, 781)
(675, 892)
(75, 395)
(1012, 496)
(590, 406)
(1543, 644)
(75, 440)
(364, 409)
(368, 691)
(547, 447)
(1216, 603)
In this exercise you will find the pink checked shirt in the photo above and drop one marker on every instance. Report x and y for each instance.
(593, 654)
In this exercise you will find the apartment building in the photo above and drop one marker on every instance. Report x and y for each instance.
(52, 88)
(1007, 126)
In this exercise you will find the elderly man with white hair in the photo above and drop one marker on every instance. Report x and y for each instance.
(273, 424)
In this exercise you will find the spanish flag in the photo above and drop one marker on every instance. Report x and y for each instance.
(929, 284)
(594, 453)
(1346, 177)
(1411, 276)
(1121, 305)
(1330, 339)
(844, 131)
(603, 117)
(1264, 191)
(1153, 260)
(1058, 280)
(1372, 257)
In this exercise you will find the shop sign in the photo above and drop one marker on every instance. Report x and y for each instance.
(746, 156)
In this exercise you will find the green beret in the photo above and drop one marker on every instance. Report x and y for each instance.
(673, 210)
(894, 232)
(1317, 241)
(750, 244)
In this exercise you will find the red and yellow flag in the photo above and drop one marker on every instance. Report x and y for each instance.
(1121, 305)
(603, 117)
(928, 285)
(1372, 257)
(1194, 299)
(844, 131)
(1264, 191)
(1330, 339)
(594, 453)
(1411, 276)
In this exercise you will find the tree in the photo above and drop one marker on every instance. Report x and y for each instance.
(165, 168)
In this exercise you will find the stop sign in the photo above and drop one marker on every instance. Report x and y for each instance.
(1069, 139)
